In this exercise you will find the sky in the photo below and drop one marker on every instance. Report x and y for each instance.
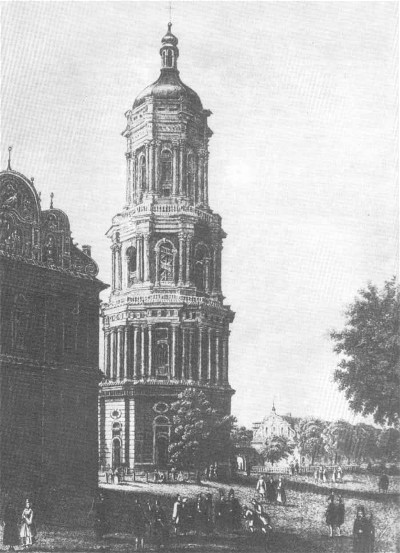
(303, 160)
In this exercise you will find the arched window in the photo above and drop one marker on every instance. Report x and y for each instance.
(166, 263)
(201, 267)
(166, 172)
(50, 254)
(142, 172)
(131, 264)
(191, 174)
(169, 58)
(162, 358)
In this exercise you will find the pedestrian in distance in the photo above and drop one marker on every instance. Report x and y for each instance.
(334, 475)
(233, 511)
(297, 467)
(221, 512)
(339, 474)
(200, 520)
(383, 484)
(361, 532)
(10, 527)
(261, 487)
(330, 515)
(320, 471)
(271, 490)
(139, 522)
(324, 474)
(28, 527)
(176, 514)
(340, 514)
(291, 467)
(280, 492)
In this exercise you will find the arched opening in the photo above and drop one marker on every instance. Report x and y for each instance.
(162, 358)
(201, 267)
(116, 453)
(191, 175)
(161, 427)
(166, 173)
(131, 264)
(50, 250)
(166, 263)
(169, 58)
(162, 452)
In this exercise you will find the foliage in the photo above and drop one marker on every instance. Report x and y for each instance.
(200, 436)
(337, 438)
(389, 445)
(369, 371)
(364, 442)
(309, 437)
(241, 436)
(277, 448)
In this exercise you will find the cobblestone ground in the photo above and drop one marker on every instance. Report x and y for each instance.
(298, 526)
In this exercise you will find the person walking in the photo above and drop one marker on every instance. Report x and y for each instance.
(280, 492)
(361, 532)
(340, 514)
(261, 487)
(330, 515)
(28, 528)
(10, 530)
(139, 525)
(176, 514)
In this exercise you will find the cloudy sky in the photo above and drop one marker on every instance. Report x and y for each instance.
(303, 164)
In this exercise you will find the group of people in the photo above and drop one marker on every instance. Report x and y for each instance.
(18, 530)
(271, 490)
(334, 514)
(321, 474)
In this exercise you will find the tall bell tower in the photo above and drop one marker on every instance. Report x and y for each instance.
(166, 327)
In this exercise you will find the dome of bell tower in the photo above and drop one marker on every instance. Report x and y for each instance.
(169, 85)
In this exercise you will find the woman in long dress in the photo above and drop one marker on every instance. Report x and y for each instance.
(280, 492)
(28, 530)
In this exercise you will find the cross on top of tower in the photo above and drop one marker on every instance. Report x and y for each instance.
(9, 158)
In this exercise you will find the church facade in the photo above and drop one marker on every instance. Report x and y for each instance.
(166, 327)
(49, 334)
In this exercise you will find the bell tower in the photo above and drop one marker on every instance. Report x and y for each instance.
(166, 327)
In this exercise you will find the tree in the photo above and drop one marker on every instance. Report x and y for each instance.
(389, 445)
(364, 442)
(200, 435)
(241, 436)
(309, 438)
(369, 371)
(277, 448)
(337, 438)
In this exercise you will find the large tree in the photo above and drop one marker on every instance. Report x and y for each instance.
(369, 371)
(277, 448)
(200, 435)
(309, 437)
(337, 437)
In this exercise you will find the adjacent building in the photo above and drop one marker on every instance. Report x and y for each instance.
(49, 335)
(166, 326)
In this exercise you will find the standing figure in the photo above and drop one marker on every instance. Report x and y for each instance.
(361, 532)
(280, 492)
(320, 471)
(291, 466)
(160, 529)
(176, 514)
(316, 474)
(233, 511)
(200, 519)
(384, 483)
(297, 468)
(339, 473)
(220, 511)
(339, 514)
(261, 487)
(324, 474)
(10, 531)
(271, 490)
(334, 475)
(139, 525)
(330, 516)
(28, 529)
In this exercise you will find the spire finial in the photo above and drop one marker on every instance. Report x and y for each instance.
(170, 15)
(273, 406)
(51, 200)
(9, 158)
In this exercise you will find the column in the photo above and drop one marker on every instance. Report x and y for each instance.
(183, 375)
(225, 353)
(138, 257)
(119, 267)
(188, 258)
(142, 360)
(207, 274)
(146, 257)
(112, 267)
(152, 166)
(205, 178)
(215, 269)
(148, 177)
(128, 195)
(200, 351)
(134, 176)
(157, 279)
(107, 354)
(174, 169)
(119, 351)
(182, 189)
(135, 351)
(200, 181)
(190, 353)
(150, 353)
(157, 167)
(219, 270)
(217, 359)
(209, 375)
(180, 278)
(173, 352)
(125, 372)
(113, 350)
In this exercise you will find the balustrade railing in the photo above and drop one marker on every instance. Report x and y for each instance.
(173, 208)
